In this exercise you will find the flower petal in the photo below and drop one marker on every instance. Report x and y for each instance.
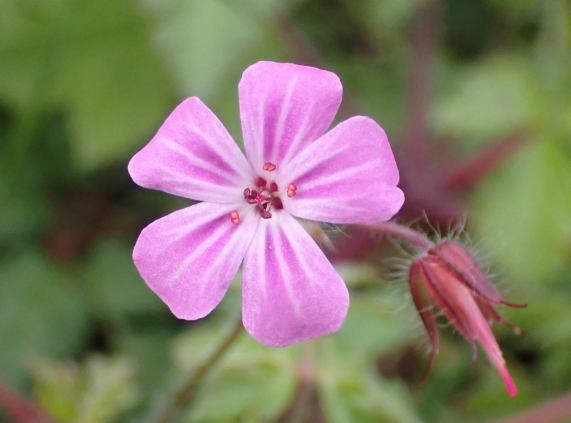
(291, 292)
(189, 257)
(283, 108)
(349, 175)
(192, 155)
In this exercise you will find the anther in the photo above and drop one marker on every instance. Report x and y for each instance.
(269, 167)
(273, 187)
(251, 196)
(260, 182)
(277, 203)
(291, 190)
(265, 214)
(234, 217)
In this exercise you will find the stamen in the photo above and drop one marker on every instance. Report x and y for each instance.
(291, 190)
(251, 196)
(234, 217)
(269, 166)
(265, 195)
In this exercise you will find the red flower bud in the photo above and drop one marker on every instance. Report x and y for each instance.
(447, 276)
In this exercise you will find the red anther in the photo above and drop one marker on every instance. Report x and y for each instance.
(291, 190)
(265, 196)
(269, 167)
(260, 182)
(251, 196)
(234, 217)
(277, 203)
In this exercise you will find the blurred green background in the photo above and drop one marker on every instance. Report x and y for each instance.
(476, 99)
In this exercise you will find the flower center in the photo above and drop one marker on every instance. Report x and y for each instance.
(264, 195)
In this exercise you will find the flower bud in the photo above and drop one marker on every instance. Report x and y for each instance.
(448, 277)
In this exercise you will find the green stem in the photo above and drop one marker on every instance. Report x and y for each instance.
(184, 395)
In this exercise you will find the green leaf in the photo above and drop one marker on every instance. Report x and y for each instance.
(351, 394)
(386, 19)
(114, 285)
(23, 207)
(201, 40)
(253, 382)
(486, 100)
(148, 350)
(523, 216)
(377, 315)
(40, 310)
(97, 391)
(208, 44)
(95, 61)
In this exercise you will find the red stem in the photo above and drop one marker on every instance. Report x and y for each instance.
(403, 232)
(470, 172)
(555, 410)
(20, 409)
(423, 40)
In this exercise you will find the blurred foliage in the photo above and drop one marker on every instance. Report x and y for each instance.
(85, 84)
(91, 60)
(99, 390)
(40, 310)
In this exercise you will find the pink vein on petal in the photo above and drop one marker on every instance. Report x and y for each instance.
(189, 257)
(193, 156)
(284, 107)
(349, 175)
(291, 292)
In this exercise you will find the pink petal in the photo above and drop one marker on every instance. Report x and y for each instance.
(192, 155)
(349, 175)
(291, 293)
(189, 257)
(283, 108)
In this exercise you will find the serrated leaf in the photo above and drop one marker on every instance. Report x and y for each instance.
(97, 391)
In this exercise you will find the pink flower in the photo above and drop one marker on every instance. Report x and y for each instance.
(448, 276)
(290, 290)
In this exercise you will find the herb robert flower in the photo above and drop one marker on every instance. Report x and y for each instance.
(292, 167)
